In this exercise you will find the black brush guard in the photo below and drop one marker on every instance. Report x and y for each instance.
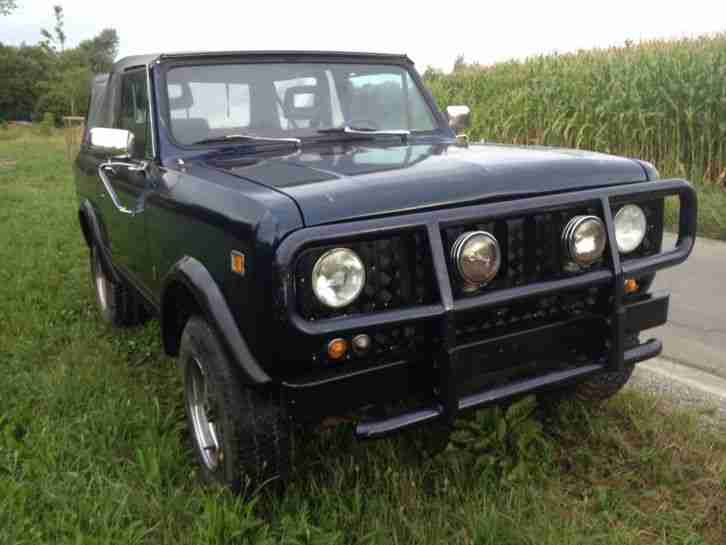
(646, 312)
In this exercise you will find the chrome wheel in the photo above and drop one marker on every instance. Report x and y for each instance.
(101, 282)
(202, 416)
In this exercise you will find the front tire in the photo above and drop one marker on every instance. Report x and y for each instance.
(602, 386)
(117, 303)
(240, 437)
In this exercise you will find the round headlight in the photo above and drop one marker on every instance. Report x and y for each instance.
(630, 227)
(338, 277)
(477, 257)
(584, 238)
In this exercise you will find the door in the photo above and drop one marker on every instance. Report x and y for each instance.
(129, 179)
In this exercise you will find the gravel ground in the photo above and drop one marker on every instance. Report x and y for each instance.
(684, 387)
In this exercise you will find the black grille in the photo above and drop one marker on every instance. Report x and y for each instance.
(399, 274)
(531, 248)
(531, 313)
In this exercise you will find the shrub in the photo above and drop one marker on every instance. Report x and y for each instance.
(47, 124)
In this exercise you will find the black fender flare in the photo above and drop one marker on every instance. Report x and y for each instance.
(93, 234)
(197, 279)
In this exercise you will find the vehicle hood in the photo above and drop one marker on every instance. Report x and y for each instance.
(354, 181)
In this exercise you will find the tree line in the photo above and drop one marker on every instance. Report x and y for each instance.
(48, 77)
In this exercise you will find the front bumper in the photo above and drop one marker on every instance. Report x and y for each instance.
(448, 373)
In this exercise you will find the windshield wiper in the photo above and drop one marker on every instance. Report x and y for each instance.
(248, 138)
(347, 129)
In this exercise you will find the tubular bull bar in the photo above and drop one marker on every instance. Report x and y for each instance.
(646, 312)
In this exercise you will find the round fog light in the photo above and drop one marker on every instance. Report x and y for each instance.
(584, 239)
(361, 343)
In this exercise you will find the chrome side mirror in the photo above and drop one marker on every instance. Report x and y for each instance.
(111, 143)
(459, 118)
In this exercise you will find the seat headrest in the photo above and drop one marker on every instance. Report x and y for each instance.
(302, 102)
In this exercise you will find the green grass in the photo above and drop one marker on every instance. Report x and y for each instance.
(92, 435)
(662, 101)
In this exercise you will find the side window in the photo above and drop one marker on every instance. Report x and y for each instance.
(134, 113)
(95, 117)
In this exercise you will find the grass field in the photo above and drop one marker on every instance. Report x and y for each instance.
(91, 435)
(662, 101)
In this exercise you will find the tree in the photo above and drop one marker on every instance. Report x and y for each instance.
(7, 6)
(100, 52)
(22, 68)
(58, 36)
(48, 78)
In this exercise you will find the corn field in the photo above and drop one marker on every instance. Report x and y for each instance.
(662, 101)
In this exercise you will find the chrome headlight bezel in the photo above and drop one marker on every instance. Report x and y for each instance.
(328, 297)
(459, 255)
(569, 239)
(629, 246)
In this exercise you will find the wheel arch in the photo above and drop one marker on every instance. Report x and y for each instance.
(94, 234)
(190, 289)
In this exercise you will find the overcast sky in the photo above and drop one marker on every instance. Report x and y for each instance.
(432, 33)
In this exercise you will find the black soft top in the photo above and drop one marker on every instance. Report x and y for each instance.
(145, 60)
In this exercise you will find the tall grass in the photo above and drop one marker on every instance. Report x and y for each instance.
(662, 101)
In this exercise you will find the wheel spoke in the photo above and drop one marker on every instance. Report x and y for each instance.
(200, 406)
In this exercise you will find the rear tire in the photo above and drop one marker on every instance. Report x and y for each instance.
(118, 304)
(240, 437)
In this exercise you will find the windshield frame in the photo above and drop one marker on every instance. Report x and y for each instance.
(440, 122)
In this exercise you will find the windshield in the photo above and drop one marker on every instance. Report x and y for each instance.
(295, 100)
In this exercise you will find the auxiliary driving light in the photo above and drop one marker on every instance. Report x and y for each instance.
(584, 239)
(477, 257)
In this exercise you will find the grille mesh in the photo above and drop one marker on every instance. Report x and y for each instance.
(530, 313)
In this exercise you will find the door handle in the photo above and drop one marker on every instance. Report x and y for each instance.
(110, 167)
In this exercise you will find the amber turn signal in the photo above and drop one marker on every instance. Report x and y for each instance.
(237, 262)
(337, 348)
(631, 286)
